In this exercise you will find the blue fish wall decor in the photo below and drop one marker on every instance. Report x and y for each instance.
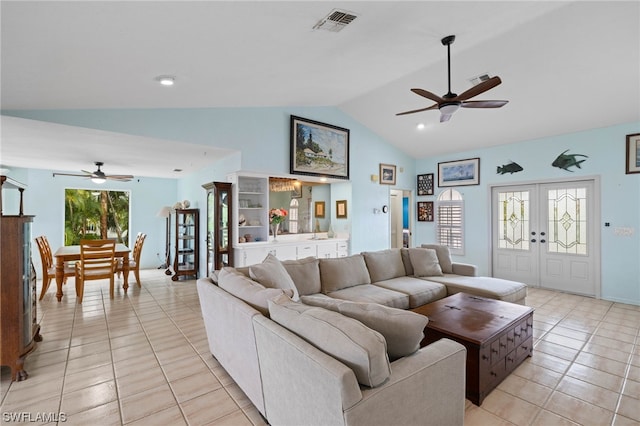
(512, 168)
(564, 161)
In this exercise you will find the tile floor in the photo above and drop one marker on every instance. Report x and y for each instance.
(143, 359)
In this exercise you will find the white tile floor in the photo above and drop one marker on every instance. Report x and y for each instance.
(143, 359)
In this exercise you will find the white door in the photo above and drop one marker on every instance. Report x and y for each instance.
(396, 218)
(544, 235)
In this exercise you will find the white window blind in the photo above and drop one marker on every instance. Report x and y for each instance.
(450, 221)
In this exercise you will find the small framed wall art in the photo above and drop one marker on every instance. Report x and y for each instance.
(425, 211)
(425, 184)
(633, 153)
(387, 174)
(341, 209)
(319, 209)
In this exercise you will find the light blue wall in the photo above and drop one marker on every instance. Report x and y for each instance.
(44, 198)
(620, 198)
(262, 134)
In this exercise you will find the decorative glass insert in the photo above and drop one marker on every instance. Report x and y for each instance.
(567, 221)
(514, 221)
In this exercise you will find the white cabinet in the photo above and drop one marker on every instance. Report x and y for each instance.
(343, 248)
(251, 253)
(305, 250)
(327, 250)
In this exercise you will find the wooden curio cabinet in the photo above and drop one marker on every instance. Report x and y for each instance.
(19, 328)
(219, 229)
(186, 244)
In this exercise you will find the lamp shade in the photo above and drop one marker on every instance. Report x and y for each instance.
(164, 212)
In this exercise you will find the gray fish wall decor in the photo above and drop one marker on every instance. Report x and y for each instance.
(512, 168)
(564, 161)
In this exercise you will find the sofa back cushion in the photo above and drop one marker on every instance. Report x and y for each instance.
(343, 272)
(271, 273)
(384, 264)
(402, 330)
(305, 274)
(408, 267)
(349, 341)
(425, 262)
(444, 257)
(247, 290)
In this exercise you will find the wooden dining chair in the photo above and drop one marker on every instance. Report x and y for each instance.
(97, 261)
(134, 262)
(48, 265)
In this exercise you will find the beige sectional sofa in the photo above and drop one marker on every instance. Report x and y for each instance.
(332, 341)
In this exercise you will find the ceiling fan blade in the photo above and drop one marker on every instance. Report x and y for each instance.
(428, 95)
(434, 106)
(72, 174)
(123, 178)
(478, 89)
(483, 104)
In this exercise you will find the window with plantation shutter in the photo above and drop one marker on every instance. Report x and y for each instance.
(450, 220)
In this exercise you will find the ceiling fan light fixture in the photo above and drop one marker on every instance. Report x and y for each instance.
(166, 80)
(448, 109)
(98, 180)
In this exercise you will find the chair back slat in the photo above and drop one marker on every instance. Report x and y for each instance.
(97, 256)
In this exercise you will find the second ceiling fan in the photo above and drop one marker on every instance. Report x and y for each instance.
(450, 102)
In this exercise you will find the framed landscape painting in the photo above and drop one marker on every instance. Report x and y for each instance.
(460, 172)
(319, 149)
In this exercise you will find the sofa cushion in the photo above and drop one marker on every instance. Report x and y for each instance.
(404, 252)
(492, 288)
(373, 294)
(305, 274)
(251, 292)
(270, 273)
(343, 272)
(403, 330)
(444, 257)
(349, 341)
(425, 262)
(420, 292)
(384, 264)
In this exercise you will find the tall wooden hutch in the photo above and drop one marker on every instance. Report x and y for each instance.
(19, 328)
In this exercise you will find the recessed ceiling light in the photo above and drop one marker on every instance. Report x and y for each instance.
(420, 126)
(166, 80)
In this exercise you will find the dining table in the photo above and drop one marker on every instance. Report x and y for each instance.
(72, 253)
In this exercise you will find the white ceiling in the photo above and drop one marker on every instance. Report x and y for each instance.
(565, 67)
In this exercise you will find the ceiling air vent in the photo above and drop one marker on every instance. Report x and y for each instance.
(335, 21)
(479, 79)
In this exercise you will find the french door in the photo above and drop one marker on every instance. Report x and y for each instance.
(545, 236)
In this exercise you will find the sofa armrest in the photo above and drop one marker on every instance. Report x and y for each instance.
(301, 384)
(427, 387)
(229, 327)
(465, 269)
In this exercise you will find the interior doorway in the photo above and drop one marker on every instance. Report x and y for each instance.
(400, 218)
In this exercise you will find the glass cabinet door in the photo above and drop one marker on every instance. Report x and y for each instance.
(219, 229)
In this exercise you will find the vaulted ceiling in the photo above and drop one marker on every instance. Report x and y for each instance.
(565, 67)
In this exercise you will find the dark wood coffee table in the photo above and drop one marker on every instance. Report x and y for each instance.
(498, 337)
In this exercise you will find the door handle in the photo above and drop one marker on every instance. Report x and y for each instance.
(533, 240)
(543, 241)
(534, 233)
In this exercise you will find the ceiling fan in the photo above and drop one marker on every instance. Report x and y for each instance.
(449, 103)
(98, 176)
